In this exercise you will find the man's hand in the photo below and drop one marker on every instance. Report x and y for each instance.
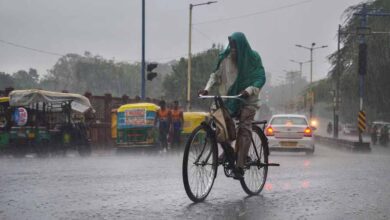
(203, 92)
(244, 94)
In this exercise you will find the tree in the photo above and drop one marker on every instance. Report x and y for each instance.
(76, 73)
(26, 80)
(6, 81)
(175, 84)
(377, 79)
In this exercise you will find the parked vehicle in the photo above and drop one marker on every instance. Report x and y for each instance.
(384, 135)
(191, 121)
(350, 129)
(46, 122)
(5, 118)
(135, 125)
(378, 125)
(289, 132)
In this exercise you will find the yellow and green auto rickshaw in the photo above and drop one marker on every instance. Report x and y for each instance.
(135, 125)
(191, 121)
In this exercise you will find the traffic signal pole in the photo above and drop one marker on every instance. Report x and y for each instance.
(143, 53)
(364, 13)
(189, 61)
(362, 62)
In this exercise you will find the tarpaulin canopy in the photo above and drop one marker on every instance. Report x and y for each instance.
(147, 106)
(26, 97)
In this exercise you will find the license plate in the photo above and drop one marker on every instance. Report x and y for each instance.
(288, 143)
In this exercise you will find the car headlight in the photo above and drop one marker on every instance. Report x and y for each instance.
(314, 122)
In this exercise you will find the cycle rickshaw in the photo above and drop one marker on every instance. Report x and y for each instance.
(46, 122)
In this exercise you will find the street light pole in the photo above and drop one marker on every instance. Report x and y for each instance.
(337, 95)
(312, 48)
(189, 68)
(300, 65)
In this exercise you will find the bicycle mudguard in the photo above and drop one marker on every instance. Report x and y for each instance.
(263, 138)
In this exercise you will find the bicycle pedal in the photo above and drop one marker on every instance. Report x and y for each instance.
(272, 164)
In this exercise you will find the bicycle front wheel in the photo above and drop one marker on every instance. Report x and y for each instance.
(255, 171)
(200, 164)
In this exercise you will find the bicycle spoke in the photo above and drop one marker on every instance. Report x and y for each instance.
(255, 175)
(200, 165)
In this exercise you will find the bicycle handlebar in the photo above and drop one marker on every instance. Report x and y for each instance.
(222, 96)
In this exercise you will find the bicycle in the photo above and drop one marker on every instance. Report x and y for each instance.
(201, 158)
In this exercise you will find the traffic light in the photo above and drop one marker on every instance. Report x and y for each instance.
(150, 67)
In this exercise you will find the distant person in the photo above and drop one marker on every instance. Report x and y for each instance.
(239, 72)
(176, 124)
(170, 132)
(384, 137)
(163, 119)
(329, 128)
(137, 99)
(374, 134)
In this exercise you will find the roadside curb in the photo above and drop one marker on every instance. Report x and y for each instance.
(349, 145)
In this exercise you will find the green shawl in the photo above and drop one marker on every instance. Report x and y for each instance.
(250, 70)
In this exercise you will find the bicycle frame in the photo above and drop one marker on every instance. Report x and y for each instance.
(202, 166)
(226, 146)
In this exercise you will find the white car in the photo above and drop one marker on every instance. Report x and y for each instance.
(350, 129)
(289, 132)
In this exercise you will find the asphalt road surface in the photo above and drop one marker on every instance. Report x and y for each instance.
(331, 184)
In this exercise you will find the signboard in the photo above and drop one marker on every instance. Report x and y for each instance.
(135, 117)
(20, 116)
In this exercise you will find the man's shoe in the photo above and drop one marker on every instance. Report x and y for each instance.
(238, 173)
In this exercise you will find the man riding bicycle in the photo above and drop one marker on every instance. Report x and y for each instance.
(239, 71)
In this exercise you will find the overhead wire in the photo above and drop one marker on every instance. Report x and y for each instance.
(196, 29)
(254, 13)
(30, 48)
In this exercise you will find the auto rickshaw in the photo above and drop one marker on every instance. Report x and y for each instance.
(191, 121)
(114, 121)
(46, 122)
(4, 122)
(135, 125)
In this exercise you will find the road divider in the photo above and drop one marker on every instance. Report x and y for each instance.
(349, 145)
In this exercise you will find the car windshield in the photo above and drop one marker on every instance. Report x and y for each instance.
(288, 121)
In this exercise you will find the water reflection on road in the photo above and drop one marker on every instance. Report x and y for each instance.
(331, 184)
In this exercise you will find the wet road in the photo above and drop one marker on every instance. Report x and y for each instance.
(331, 184)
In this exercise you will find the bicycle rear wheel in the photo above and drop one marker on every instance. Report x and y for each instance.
(200, 164)
(256, 174)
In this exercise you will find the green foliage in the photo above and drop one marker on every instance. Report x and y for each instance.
(6, 81)
(377, 79)
(26, 80)
(95, 74)
(20, 80)
(322, 91)
(175, 84)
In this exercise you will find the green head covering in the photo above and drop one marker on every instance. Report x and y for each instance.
(249, 66)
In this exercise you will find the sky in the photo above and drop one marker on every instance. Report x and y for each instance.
(112, 29)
